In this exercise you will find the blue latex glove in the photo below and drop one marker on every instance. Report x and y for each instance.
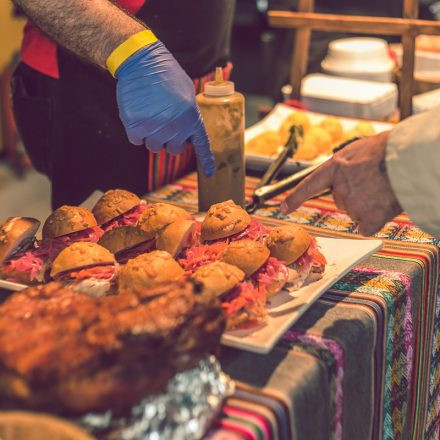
(157, 105)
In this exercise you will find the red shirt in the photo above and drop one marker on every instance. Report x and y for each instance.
(40, 52)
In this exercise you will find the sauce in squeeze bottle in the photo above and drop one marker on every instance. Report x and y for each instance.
(222, 109)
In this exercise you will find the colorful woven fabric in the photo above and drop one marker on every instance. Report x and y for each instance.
(372, 342)
(333, 350)
(253, 415)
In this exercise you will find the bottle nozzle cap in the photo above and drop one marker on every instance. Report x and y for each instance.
(218, 74)
(219, 87)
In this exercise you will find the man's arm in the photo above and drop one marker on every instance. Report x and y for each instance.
(155, 96)
(91, 29)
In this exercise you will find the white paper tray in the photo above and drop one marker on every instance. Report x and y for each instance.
(274, 120)
(9, 285)
(286, 308)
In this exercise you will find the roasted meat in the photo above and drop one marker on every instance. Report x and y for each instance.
(64, 351)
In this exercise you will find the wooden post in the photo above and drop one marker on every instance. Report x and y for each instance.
(406, 88)
(300, 57)
(356, 24)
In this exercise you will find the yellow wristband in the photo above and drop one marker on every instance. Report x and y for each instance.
(128, 48)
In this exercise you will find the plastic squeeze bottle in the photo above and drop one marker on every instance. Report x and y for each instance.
(222, 109)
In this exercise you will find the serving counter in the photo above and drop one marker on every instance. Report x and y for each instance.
(363, 362)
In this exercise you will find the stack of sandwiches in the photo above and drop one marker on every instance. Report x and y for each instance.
(126, 245)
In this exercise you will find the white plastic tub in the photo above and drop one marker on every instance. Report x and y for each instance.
(348, 97)
(426, 101)
(427, 63)
(359, 58)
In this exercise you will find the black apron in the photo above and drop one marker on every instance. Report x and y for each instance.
(88, 146)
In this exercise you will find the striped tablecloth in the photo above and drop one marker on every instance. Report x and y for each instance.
(363, 362)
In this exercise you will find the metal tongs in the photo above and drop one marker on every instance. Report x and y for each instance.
(266, 190)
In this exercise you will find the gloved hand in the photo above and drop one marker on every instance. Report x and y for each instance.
(157, 105)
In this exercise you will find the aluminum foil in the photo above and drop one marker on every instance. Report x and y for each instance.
(184, 411)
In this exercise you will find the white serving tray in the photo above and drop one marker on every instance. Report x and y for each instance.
(10, 285)
(286, 308)
(348, 97)
(274, 120)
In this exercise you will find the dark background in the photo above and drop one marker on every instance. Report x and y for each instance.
(261, 55)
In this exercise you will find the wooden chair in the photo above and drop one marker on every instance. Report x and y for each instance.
(408, 27)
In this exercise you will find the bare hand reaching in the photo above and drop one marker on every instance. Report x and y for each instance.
(360, 185)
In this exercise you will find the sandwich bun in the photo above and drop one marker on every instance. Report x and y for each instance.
(113, 203)
(288, 242)
(79, 255)
(14, 232)
(149, 270)
(176, 236)
(218, 277)
(248, 255)
(67, 219)
(223, 220)
(122, 238)
(159, 215)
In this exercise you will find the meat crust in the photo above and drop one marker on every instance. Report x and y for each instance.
(64, 351)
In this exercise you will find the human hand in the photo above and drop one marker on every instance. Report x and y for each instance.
(157, 105)
(360, 185)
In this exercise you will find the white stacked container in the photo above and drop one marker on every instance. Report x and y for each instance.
(427, 62)
(348, 97)
(426, 101)
(359, 58)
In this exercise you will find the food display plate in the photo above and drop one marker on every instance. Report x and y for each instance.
(274, 120)
(286, 308)
(10, 285)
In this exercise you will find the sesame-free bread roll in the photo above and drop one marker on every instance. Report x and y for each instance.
(113, 203)
(79, 255)
(218, 277)
(288, 242)
(248, 255)
(223, 220)
(159, 215)
(67, 219)
(149, 270)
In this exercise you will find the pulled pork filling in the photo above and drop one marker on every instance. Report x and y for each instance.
(255, 231)
(246, 298)
(197, 256)
(129, 218)
(102, 272)
(29, 264)
(311, 261)
(51, 247)
(32, 263)
(273, 272)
